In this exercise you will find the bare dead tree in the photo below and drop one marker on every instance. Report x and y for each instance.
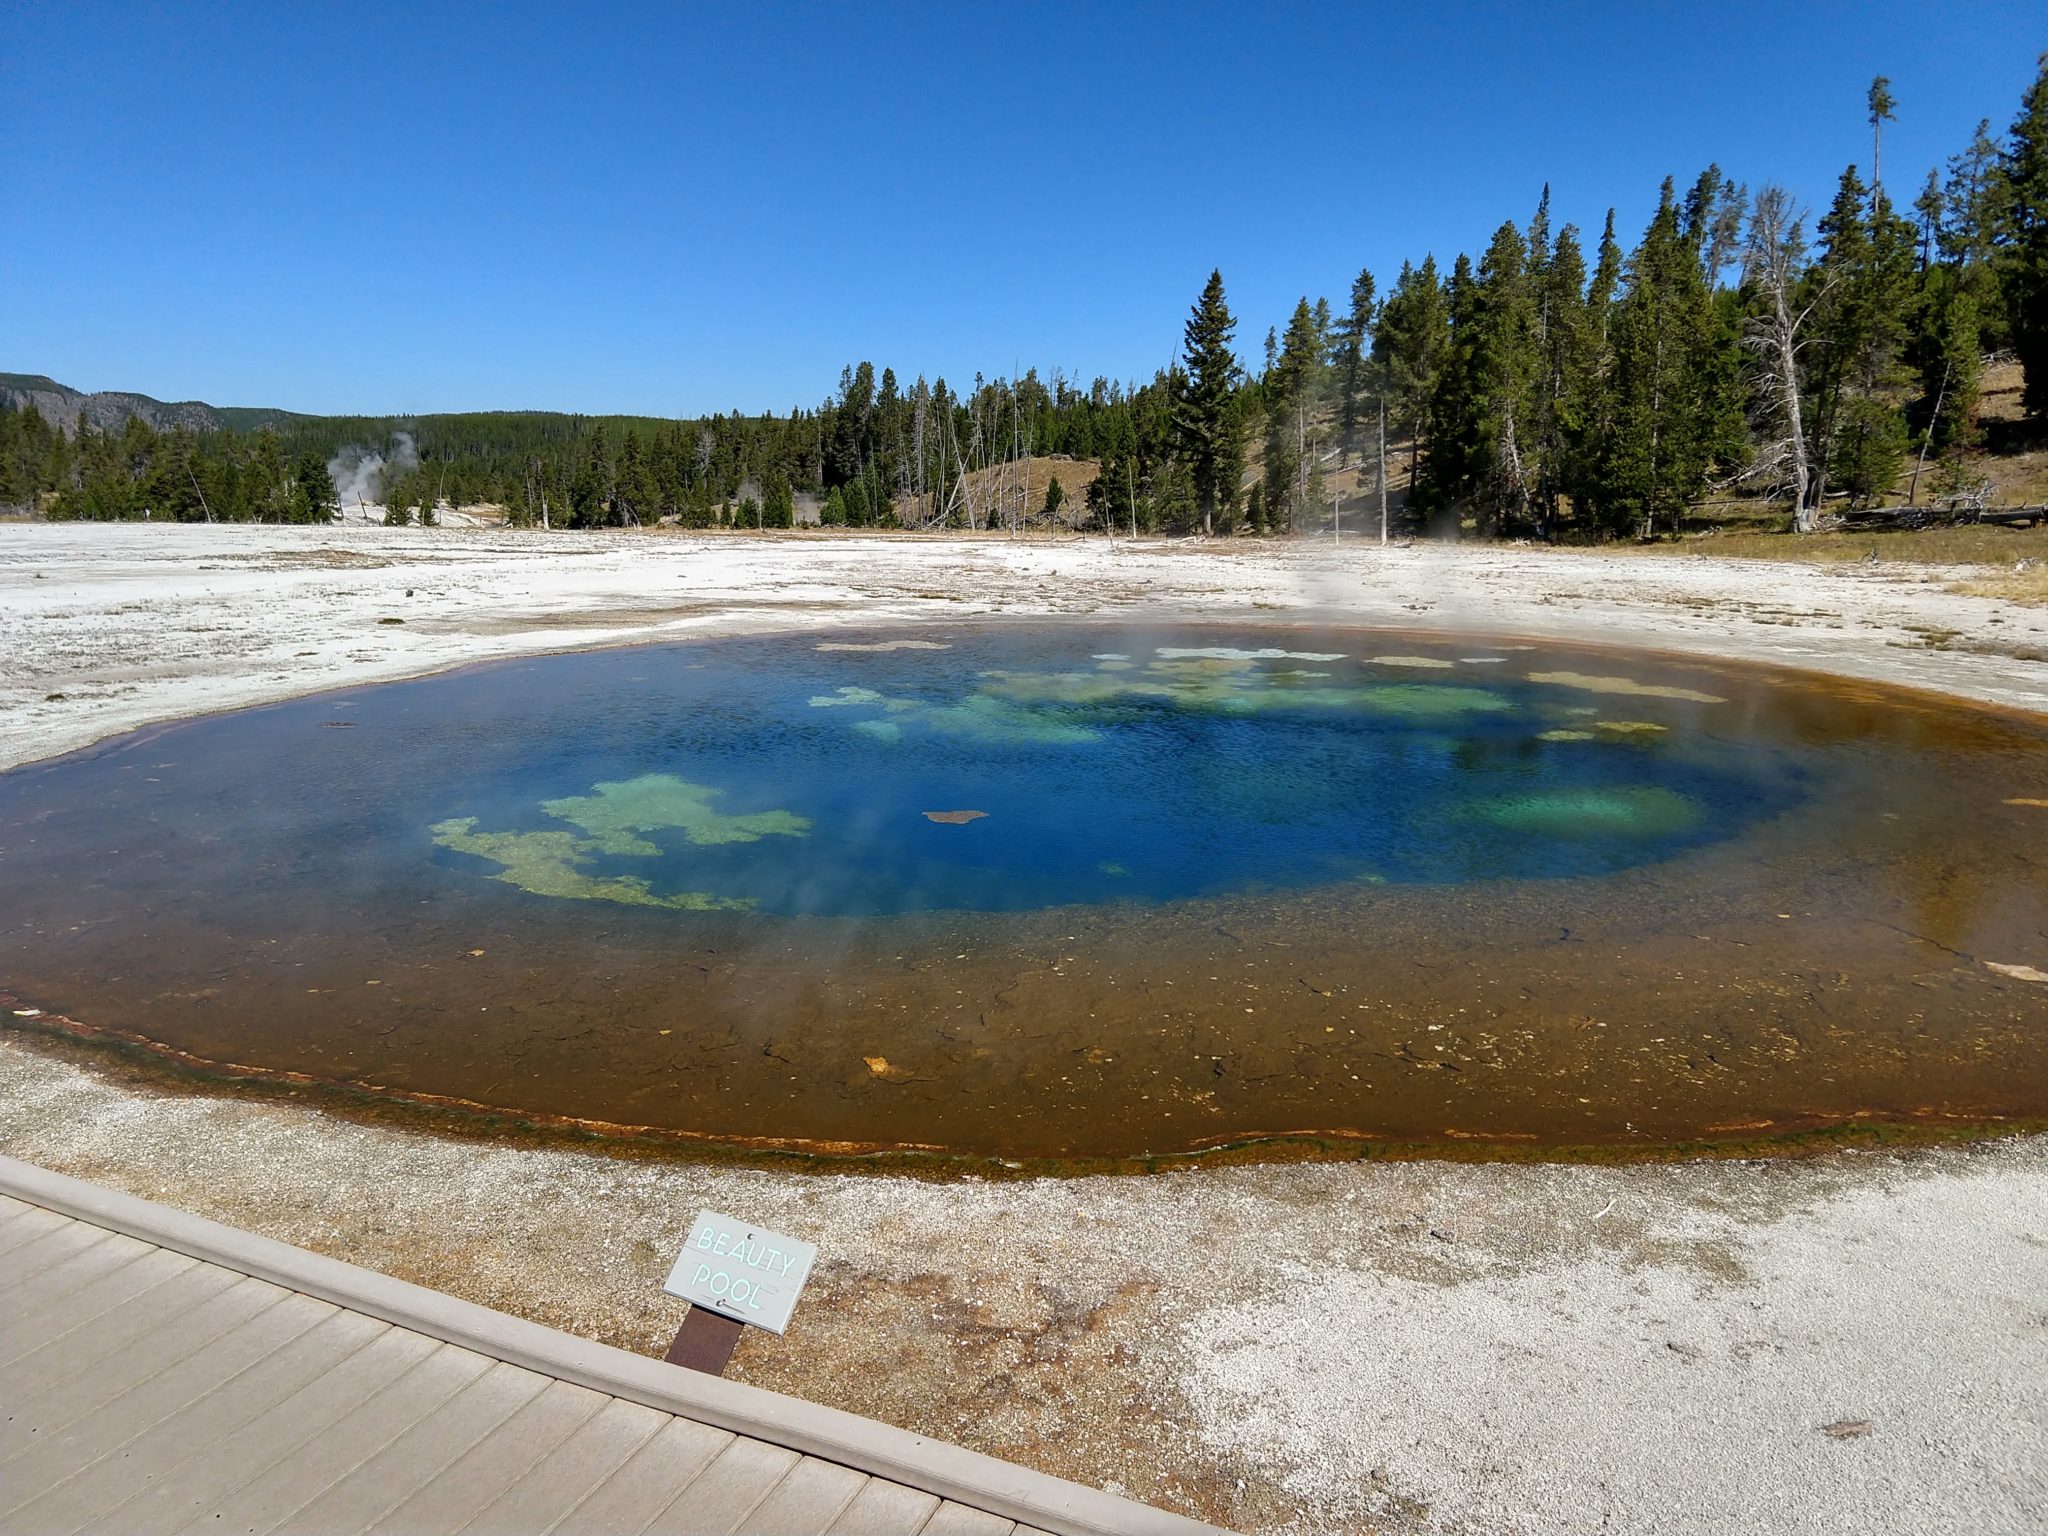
(919, 419)
(1913, 490)
(1771, 265)
(1381, 476)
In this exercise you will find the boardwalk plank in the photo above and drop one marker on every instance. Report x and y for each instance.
(72, 1450)
(648, 1483)
(958, 1520)
(431, 1445)
(35, 1259)
(201, 1423)
(883, 1508)
(74, 1273)
(806, 1502)
(20, 1221)
(19, 1256)
(29, 1331)
(613, 1476)
(461, 1491)
(540, 1496)
(207, 1480)
(53, 1393)
(312, 1467)
(80, 1349)
(720, 1497)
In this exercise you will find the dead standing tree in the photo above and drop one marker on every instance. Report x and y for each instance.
(1771, 267)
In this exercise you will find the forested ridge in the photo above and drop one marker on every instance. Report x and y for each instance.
(1552, 386)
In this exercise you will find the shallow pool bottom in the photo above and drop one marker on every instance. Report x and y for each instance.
(1756, 906)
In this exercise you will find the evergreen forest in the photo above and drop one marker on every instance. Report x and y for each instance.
(1552, 385)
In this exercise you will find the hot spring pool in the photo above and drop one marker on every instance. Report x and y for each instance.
(1067, 894)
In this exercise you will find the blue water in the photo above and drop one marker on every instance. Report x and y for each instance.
(697, 888)
(1153, 778)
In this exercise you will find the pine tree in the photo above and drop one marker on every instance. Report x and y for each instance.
(1110, 493)
(1352, 334)
(1290, 399)
(1410, 349)
(1448, 466)
(1858, 292)
(2023, 196)
(1949, 357)
(266, 462)
(778, 503)
(1565, 360)
(313, 497)
(1973, 199)
(1663, 393)
(1481, 453)
(1055, 495)
(1880, 101)
(1712, 221)
(15, 488)
(1205, 419)
(634, 493)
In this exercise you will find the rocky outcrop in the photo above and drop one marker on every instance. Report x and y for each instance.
(61, 406)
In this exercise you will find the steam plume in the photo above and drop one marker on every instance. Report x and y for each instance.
(360, 473)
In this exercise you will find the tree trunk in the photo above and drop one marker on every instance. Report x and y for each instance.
(1383, 471)
(1913, 490)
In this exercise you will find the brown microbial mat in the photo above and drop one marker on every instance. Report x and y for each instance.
(1069, 896)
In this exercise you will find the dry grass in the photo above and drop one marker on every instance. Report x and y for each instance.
(2029, 586)
(1968, 545)
(1999, 393)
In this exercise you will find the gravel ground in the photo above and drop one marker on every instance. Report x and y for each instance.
(1848, 1342)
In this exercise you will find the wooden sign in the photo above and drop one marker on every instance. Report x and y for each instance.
(744, 1273)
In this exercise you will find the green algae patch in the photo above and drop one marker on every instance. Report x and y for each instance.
(1225, 683)
(1070, 687)
(1628, 812)
(551, 864)
(842, 697)
(615, 815)
(1237, 655)
(1001, 714)
(994, 721)
(884, 645)
(1567, 736)
(1428, 701)
(613, 819)
(1631, 727)
(1628, 686)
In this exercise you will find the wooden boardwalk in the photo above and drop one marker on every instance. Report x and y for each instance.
(160, 1373)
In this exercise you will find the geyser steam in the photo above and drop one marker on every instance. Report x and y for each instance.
(360, 473)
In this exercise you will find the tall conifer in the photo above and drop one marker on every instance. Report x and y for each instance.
(2024, 214)
(1205, 420)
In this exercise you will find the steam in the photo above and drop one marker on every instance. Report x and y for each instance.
(360, 473)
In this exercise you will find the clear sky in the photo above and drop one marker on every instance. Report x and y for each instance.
(678, 209)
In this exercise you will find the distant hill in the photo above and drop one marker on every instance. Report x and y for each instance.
(60, 405)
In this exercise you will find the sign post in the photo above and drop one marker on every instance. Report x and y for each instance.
(733, 1275)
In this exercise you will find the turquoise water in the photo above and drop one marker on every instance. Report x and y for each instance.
(1016, 769)
(1064, 891)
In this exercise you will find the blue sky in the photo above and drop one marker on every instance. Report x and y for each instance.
(679, 209)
